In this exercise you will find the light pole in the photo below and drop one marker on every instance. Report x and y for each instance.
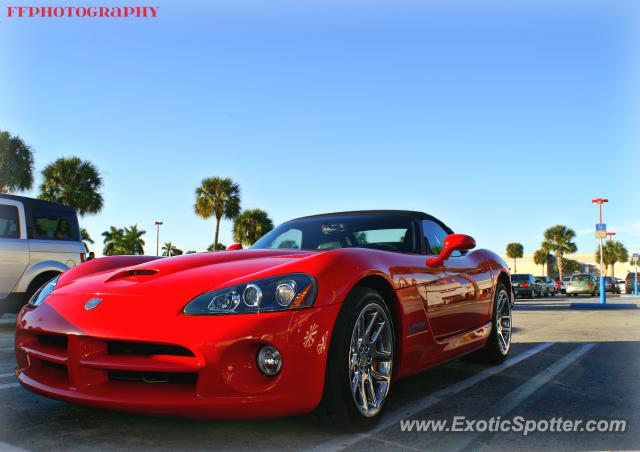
(635, 280)
(158, 223)
(603, 292)
(610, 235)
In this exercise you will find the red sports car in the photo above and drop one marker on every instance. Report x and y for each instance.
(324, 312)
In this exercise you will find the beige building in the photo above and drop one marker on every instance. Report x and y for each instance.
(587, 264)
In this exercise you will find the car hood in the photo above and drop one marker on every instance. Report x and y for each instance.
(170, 283)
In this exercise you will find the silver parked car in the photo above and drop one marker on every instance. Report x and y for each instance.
(548, 285)
(563, 284)
(583, 283)
(38, 241)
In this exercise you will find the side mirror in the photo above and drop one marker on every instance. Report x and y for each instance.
(452, 243)
(234, 247)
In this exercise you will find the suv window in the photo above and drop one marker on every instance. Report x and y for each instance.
(52, 225)
(434, 236)
(9, 224)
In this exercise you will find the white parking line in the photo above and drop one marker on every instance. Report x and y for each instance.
(5, 447)
(9, 385)
(513, 399)
(393, 417)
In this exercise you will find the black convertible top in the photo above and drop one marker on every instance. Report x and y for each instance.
(408, 213)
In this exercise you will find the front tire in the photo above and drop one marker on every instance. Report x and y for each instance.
(498, 345)
(360, 362)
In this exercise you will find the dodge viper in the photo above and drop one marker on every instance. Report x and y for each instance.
(324, 313)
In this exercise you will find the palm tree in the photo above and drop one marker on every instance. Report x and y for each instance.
(558, 239)
(16, 163)
(569, 266)
(86, 238)
(218, 197)
(73, 182)
(119, 241)
(113, 242)
(541, 257)
(250, 225)
(169, 249)
(612, 253)
(134, 244)
(515, 251)
(220, 247)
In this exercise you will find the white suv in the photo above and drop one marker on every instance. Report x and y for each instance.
(38, 240)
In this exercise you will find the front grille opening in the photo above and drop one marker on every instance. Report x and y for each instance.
(54, 366)
(153, 377)
(146, 348)
(58, 340)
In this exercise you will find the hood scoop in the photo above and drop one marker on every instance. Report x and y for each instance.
(136, 274)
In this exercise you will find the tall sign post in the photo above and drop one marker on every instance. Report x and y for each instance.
(635, 280)
(158, 224)
(601, 233)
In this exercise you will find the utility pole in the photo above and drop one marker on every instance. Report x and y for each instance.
(635, 280)
(601, 233)
(158, 223)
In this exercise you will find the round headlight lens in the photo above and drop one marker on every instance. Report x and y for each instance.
(226, 302)
(285, 292)
(252, 295)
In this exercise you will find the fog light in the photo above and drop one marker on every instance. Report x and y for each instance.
(269, 361)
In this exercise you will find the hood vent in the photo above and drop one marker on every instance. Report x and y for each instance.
(133, 273)
(142, 272)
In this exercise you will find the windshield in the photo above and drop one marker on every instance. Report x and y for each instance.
(519, 277)
(581, 278)
(567, 278)
(379, 231)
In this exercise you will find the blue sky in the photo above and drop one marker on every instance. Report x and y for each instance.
(501, 120)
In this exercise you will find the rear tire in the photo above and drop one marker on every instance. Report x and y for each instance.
(360, 362)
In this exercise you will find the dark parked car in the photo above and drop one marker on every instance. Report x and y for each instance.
(548, 285)
(629, 283)
(610, 285)
(526, 286)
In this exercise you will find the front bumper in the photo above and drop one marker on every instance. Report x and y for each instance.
(194, 366)
(581, 290)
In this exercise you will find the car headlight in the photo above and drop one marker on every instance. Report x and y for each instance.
(43, 292)
(277, 293)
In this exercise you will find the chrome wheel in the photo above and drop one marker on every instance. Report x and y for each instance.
(503, 322)
(371, 359)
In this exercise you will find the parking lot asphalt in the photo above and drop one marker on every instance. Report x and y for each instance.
(574, 364)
